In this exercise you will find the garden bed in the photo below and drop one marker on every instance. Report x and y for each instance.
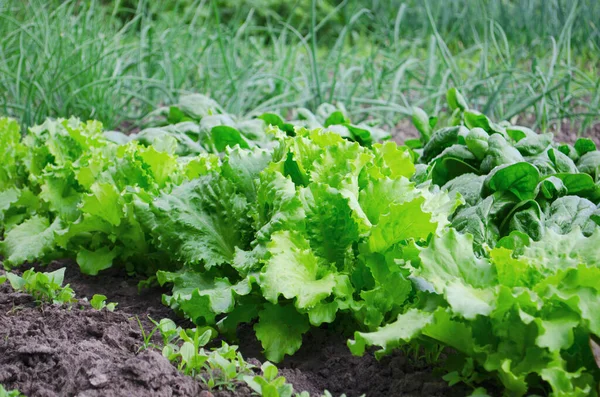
(78, 351)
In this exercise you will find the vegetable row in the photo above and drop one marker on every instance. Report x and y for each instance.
(479, 237)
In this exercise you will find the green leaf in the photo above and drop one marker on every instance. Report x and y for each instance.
(569, 212)
(442, 139)
(469, 186)
(556, 333)
(584, 145)
(456, 100)
(512, 272)
(420, 120)
(558, 251)
(279, 330)
(162, 164)
(477, 142)
(58, 191)
(224, 136)
(31, 240)
(336, 117)
(198, 106)
(403, 221)
(201, 221)
(104, 202)
(277, 206)
(518, 133)
(447, 168)
(98, 301)
(293, 271)
(276, 120)
(8, 197)
(387, 191)
(332, 222)
(534, 144)
(200, 296)
(393, 161)
(499, 152)
(92, 262)
(405, 328)
(521, 179)
(243, 167)
(449, 257)
(525, 217)
(589, 163)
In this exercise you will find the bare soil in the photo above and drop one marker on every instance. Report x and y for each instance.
(52, 351)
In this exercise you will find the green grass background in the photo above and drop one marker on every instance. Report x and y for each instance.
(115, 61)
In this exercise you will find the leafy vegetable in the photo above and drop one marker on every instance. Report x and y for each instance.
(485, 246)
(98, 302)
(44, 287)
(515, 315)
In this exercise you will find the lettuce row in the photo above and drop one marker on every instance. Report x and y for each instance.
(289, 235)
(66, 190)
(300, 239)
(484, 246)
(530, 319)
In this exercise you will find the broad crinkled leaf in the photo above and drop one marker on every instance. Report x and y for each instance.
(332, 225)
(243, 168)
(201, 296)
(29, 241)
(560, 251)
(11, 151)
(201, 221)
(104, 202)
(393, 161)
(8, 197)
(403, 221)
(376, 198)
(405, 328)
(60, 195)
(277, 206)
(449, 257)
(279, 330)
(294, 271)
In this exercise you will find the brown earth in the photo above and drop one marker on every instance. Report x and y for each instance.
(52, 351)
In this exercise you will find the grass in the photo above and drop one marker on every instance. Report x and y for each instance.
(116, 61)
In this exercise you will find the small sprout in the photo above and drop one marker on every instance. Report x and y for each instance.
(44, 287)
(98, 302)
(11, 393)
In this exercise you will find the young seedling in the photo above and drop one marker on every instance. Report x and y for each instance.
(147, 344)
(269, 384)
(12, 393)
(44, 287)
(98, 302)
